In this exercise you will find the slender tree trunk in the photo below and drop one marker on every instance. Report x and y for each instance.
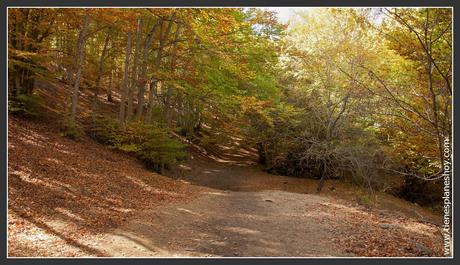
(181, 119)
(158, 58)
(81, 53)
(124, 91)
(172, 66)
(109, 90)
(143, 75)
(153, 88)
(322, 179)
(439, 133)
(169, 105)
(133, 84)
(99, 75)
(69, 68)
(434, 106)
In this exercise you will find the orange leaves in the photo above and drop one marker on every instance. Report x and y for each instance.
(377, 232)
(82, 184)
(254, 104)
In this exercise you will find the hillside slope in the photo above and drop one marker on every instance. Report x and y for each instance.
(60, 190)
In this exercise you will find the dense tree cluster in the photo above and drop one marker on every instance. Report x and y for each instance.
(366, 93)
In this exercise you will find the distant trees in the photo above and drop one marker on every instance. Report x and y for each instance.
(323, 126)
(28, 31)
(156, 47)
(364, 90)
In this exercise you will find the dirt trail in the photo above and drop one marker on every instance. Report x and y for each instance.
(246, 212)
(234, 216)
(228, 223)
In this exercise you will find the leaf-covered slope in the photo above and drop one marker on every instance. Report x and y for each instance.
(82, 184)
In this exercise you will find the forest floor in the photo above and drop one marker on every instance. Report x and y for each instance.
(78, 198)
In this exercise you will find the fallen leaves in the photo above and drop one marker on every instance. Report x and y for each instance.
(85, 186)
(366, 232)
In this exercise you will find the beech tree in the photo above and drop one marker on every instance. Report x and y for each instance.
(79, 64)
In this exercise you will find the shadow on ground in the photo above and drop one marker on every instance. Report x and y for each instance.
(69, 188)
(71, 198)
(229, 224)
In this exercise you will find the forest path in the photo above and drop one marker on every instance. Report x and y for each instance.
(244, 212)
(236, 215)
(228, 223)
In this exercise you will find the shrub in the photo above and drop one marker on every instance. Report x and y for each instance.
(70, 129)
(160, 151)
(28, 106)
(106, 131)
(365, 199)
(149, 142)
(297, 143)
(423, 192)
(153, 145)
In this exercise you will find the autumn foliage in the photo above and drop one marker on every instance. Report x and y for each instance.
(357, 94)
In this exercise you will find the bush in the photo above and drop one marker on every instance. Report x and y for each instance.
(365, 199)
(106, 131)
(422, 192)
(160, 151)
(298, 143)
(28, 106)
(153, 145)
(149, 142)
(70, 129)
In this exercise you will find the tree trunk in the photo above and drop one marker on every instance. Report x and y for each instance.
(158, 62)
(99, 75)
(124, 91)
(143, 75)
(172, 67)
(81, 53)
(109, 90)
(69, 66)
(133, 84)
(155, 87)
(26, 35)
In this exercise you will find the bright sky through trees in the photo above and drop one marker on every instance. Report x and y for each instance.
(284, 14)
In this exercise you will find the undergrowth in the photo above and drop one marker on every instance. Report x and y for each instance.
(70, 129)
(150, 143)
(28, 106)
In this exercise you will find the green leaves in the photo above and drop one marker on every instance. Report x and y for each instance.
(149, 142)
(29, 106)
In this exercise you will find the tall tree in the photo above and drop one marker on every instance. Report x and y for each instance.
(79, 64)
(135, 66)
(125, 83)
(100, 69)
(28, 29)
(143, 74)
(159, 55)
